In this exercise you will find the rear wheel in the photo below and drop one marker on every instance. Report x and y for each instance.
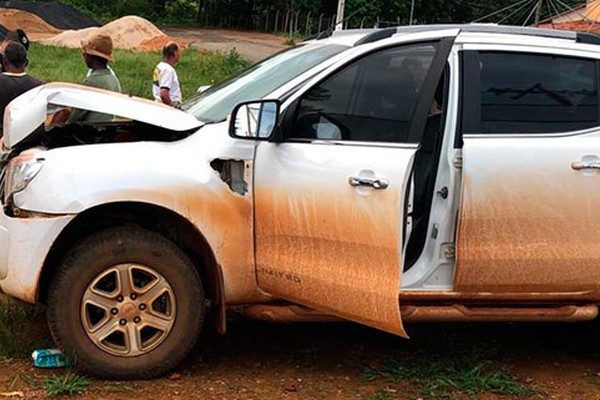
(126, 304)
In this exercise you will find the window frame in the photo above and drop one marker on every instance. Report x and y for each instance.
(470, 96)
(443, 47)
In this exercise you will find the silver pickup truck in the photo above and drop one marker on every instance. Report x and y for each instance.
(432, 173)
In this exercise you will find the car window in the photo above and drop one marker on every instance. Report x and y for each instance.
(534, 93)
(216, 103)
(372, 99)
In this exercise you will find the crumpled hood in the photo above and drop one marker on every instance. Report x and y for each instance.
(28, 111)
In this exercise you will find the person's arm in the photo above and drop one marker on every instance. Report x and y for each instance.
(164, 96)
(165, 83)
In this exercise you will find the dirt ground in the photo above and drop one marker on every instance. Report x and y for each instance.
(253, 46)
(258, 360)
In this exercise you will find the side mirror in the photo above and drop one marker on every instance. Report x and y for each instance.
(254, 119)
(202, 88)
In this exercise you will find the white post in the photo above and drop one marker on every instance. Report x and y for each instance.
(339, 23)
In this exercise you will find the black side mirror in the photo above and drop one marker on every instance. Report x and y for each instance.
(254, 119)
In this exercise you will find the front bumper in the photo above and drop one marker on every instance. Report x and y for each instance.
(24, 246)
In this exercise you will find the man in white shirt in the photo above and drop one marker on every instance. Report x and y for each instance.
(165, 83)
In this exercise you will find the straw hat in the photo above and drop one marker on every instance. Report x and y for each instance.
(98, 45)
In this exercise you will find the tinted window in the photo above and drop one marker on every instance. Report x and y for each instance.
(216, 103)
(529, 93)
(372, 99)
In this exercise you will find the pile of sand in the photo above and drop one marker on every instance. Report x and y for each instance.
(127, 33)
(55, 13)
(30, 23)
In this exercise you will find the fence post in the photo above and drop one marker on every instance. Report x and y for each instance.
(291, 22)
(307, 25)
(296, 21)
(285, 24)
(320, 20)
(266, 29)
(276, 21)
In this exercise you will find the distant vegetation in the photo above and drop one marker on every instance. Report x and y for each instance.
(262, 14)
(134, 70)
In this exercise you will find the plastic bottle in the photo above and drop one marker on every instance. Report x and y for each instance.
(49, 358)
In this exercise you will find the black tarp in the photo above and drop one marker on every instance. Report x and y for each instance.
(55, 13)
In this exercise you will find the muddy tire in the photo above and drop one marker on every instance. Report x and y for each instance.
(125, 303)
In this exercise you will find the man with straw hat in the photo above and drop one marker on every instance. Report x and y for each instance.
(97, 52)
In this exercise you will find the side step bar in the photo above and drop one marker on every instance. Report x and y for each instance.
(427, 313)
(458, 312)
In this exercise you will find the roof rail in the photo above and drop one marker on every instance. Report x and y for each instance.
(588, 38)
(377, 35)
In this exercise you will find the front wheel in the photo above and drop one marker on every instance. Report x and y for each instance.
(126, 303)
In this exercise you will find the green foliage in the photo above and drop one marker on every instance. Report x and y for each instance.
(380, 395)
(451, 374)
(243, 13)
(15, 319)
(28, 380)
(68, 383)
(595, 382)
(133, 69)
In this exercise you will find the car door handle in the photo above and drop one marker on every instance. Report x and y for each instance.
(374, 182)
(579, 165)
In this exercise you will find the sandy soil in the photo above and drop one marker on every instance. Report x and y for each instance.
(253, 46)
(17, 19)
(259, 360)
(128, 33)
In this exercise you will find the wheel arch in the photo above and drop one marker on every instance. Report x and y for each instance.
(155, 218)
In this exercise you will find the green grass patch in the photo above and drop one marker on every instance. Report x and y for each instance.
(69, 383)
(450, 375)
(22, 328)
(28, 380)
(380, 395)
(134, 69)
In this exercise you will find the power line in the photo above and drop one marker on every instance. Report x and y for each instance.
(502, 10)
(535, 7)
(519, 10)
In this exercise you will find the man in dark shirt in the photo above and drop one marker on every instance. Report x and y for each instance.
(14, 81)
(17, 35)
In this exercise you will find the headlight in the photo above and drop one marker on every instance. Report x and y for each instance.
(21, 170)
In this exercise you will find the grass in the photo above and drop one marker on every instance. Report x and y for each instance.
(450, 375)
(380, 395)
(22, 328)
(134, 69)
(28, 380)
(68, 383)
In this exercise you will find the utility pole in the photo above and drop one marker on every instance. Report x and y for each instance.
(538, 12)
(339, 23)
